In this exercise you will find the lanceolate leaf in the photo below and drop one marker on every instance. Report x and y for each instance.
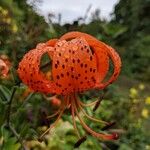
(4, 94)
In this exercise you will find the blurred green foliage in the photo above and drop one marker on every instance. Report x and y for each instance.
(127, 101)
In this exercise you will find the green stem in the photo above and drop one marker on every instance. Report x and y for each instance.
(9, 105)
(25, 101)
(17, 136)
(8, 117)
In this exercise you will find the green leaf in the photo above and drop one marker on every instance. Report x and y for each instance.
(4, 132)
(4, 94)
(9, 143)
(15, 76)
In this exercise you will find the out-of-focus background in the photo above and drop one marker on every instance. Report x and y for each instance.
(123, 24)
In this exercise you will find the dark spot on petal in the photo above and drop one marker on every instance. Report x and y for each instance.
(63, 66)
(85, 65)
(57, 77)
(85, 46)
(94, 70)
(66, 60)
(93, 79)
(57, 62)
(81, 65)
(76, 78)
(60, 85)
(62, 75)
(91, 58)
(72, 68)
(56, 66)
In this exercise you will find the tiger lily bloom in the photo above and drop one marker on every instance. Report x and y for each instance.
(4, 68)
(80, 62)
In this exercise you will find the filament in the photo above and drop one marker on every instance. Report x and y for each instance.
(67, 99)
(89, 130)
(55, 114)
(89, 117)
(54, 124)
(88, 104)
(74, 122)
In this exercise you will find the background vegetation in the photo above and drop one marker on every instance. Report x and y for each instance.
(127, 101)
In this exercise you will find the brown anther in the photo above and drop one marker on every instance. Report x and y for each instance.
(80, 141)
(100, 99)
(40, 139)
(108, 126)
(97, 105)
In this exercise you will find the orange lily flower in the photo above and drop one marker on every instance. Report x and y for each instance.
(4, 69)
(80, 62)
(4, 65)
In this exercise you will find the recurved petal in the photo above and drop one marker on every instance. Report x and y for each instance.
(103, 53)
(29, 70)
(97, 48)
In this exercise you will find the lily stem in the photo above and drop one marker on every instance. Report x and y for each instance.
(8, 124)
(10, 104)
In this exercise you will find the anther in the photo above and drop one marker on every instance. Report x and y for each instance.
(108, 126)
(80, 141)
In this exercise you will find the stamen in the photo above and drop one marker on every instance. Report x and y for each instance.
(53, 115)
(97, 105)
(99, 100)
(74, 122)
(89, 130)
(67, 99)
(89, 117)
(57, 112)
(88, 104)
(54, 124)
(80, 141)
(108, 126)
